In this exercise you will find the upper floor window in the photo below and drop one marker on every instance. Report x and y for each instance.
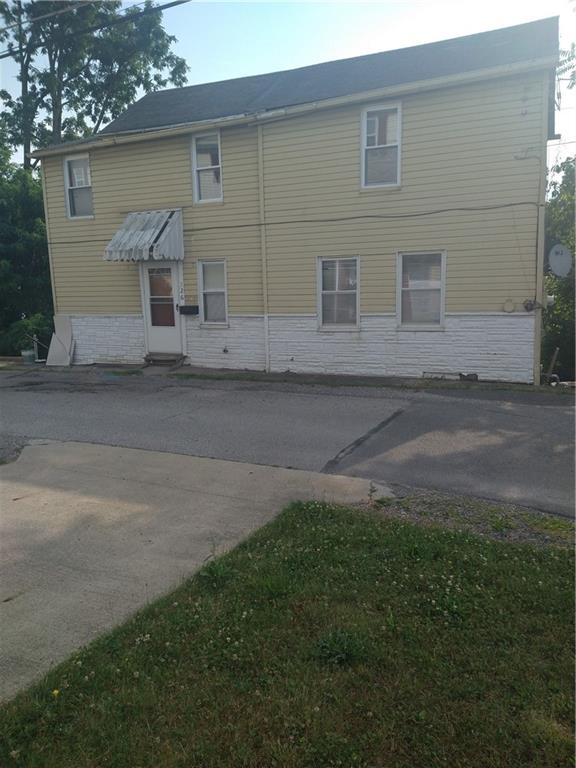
(207, 168)
(421, 280)
(381, 147)
(78, 187)
(338, 292)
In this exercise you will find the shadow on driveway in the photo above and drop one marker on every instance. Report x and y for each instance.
(493, 450)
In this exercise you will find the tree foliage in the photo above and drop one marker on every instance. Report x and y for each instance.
(78, 70)
(24, 270)
(568, 65)
(559, 319)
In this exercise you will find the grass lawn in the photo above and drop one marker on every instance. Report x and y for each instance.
(332, 637)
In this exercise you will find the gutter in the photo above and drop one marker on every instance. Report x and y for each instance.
(49, 239)
(263, 245)
(178, 129)
(540, 242)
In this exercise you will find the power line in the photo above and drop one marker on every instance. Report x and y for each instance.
(48, 15)
(119, 20)
(332, 220)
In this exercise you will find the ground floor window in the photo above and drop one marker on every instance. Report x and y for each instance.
(420, 293)
(212, 275)
(338, 294)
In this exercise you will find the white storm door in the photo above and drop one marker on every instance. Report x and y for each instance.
(160, 292)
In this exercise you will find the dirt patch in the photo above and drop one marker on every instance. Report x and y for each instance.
(495, 520)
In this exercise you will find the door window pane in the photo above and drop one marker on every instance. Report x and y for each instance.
(160, 282)
(161, 300)
(162, 312)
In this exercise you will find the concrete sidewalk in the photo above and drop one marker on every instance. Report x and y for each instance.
(91, 533)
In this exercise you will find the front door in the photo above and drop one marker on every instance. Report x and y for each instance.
(160, 294)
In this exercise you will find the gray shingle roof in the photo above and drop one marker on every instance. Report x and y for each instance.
(249, 95)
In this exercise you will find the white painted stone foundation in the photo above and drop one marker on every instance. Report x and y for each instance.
(108, 339)
(239, 344)
(494, 346)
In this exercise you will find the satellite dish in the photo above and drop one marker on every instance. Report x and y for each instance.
(560, 260)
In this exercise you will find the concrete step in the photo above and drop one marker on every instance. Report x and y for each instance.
(164, 358)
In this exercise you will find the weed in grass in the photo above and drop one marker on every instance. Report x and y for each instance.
(216, 573)
(500, 523)
(390, 620)
(340, 647)
(274, 586)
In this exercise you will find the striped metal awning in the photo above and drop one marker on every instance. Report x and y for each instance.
(148, 235)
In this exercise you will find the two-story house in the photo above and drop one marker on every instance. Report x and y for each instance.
(376, 215)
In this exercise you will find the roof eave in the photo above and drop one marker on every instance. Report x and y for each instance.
(128, 137)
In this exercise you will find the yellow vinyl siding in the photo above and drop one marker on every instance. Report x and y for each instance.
(458, 150)
(467, 146)
(155, 175)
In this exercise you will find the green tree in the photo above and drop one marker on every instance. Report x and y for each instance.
(24, 270)
(82, 68)
(559, 319)
(568, 66)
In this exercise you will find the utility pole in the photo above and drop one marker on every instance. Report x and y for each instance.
(24, 63)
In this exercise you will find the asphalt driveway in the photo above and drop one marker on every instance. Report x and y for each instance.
(508, 445)
(500, 450)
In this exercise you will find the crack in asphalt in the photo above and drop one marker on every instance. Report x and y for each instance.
(331, 465)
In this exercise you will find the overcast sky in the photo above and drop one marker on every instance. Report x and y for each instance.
(221, 40)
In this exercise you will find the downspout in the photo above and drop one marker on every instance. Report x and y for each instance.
(263, 252)
(48, 237)
(540, 236)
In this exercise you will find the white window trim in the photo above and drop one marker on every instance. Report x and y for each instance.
(420, 326)
(385, 185)
(203, 321)
(195, 170)
(336, 327)
(67, 186)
